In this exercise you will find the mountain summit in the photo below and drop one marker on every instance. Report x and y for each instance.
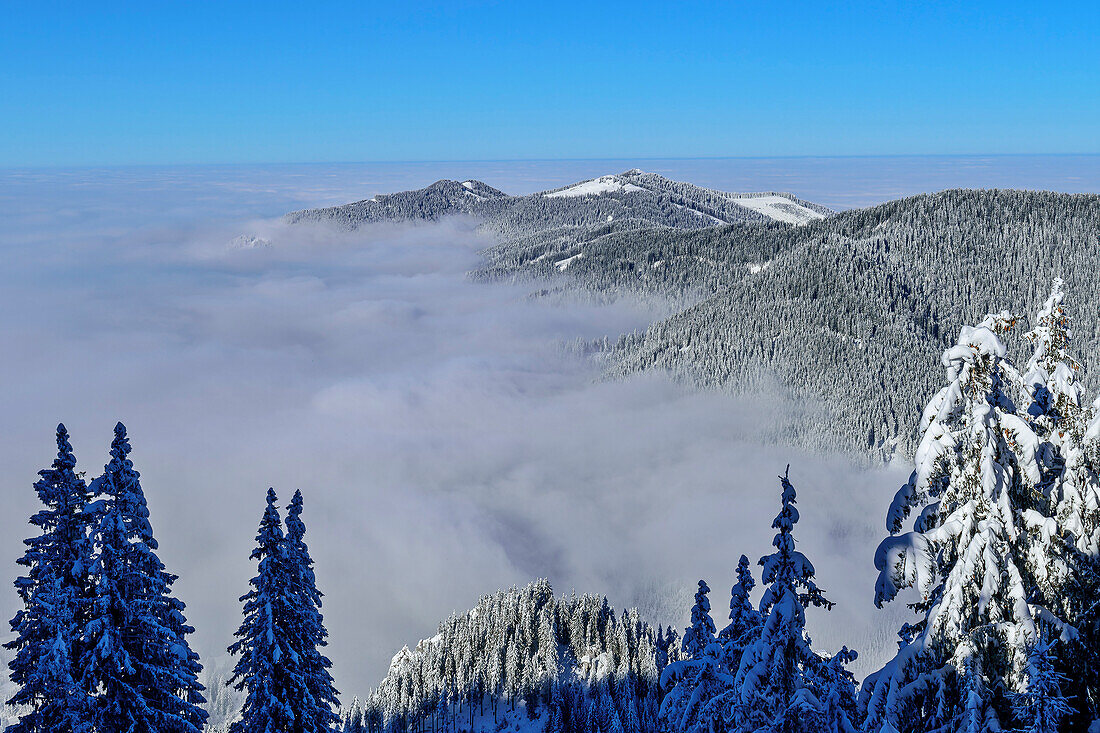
(644, 198)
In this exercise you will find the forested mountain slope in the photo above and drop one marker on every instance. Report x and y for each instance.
(634, 198)
(849, 311)
(845, 312)
(521, 656)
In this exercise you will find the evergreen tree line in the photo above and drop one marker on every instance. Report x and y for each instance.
(571, 662)
(101, 644)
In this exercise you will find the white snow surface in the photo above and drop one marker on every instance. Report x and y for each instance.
(603, 184)
(778, 208)
(562, 264)
(767, 205)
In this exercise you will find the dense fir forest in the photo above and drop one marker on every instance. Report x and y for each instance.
(851, 305)
(528, 656)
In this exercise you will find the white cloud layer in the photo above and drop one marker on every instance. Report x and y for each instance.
(445, 444)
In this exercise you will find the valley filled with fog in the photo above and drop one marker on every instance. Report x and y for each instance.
(447, 435)
(446, 442)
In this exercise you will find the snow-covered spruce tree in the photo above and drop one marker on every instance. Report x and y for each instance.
(974, 486)
(744, 618)
(353, 720)
(55, 594)
(691, 688)
(700, 690)
(672, 643)
(837, 694)
(1051, 375)
(661, 657)
(692, 682)
(1064, 549)
(315, 712)
(269, 668)
(136, 658)
(1041, 706)
(1058, 533)
(782, 685)
(701, 632)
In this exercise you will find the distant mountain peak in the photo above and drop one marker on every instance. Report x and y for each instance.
(646, 199)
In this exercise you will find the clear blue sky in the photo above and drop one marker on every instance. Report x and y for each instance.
(201, 82)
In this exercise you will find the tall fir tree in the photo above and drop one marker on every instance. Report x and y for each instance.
(270, 669)
(702, 630)
(661, 644)
(744, 618)
(699, 690)
(672, 643)
(315, 712)
(970, 554)
(782, 685)
(353, 721)
(1062, 532)
(690, 683)
(55, 593)
(137, 658)
(1065, 546)
(693, 691)
(1050, 379)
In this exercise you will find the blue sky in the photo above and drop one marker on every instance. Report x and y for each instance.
(199, 82)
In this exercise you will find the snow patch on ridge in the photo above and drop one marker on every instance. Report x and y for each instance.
(562, 264)
(604, 184)
(778, 208)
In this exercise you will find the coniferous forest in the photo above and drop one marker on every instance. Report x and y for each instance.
(994, 543)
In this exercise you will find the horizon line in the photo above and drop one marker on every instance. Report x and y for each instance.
(427, 161)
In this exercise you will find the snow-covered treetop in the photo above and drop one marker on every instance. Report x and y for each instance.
(65, 457)
(787, 566)
(1051, 334)
(702, 630)
(1051, 377)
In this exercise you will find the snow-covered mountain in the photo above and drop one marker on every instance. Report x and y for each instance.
(840, 311)
(644, 199)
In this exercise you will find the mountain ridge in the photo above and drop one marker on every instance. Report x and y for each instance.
(847, 313)
(633, 194)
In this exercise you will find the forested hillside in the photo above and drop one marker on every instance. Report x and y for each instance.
(841, 314)
(634, 197)
(847, 312)
(522, 656)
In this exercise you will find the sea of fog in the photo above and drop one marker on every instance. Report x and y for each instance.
(446, 444)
